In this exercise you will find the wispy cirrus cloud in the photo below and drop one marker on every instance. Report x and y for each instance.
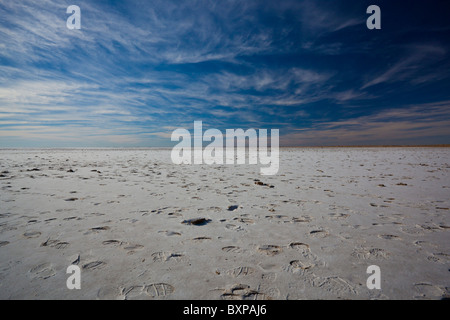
(389, 127)
(413, 67)
(136, 69)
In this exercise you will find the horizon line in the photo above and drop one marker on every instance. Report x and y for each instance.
(281, 147)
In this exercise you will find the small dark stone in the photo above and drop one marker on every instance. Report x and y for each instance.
(196, 221)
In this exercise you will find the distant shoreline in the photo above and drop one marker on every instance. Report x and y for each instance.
(281, 147)
(379, 146)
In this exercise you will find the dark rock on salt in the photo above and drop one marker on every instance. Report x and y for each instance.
(196, 221)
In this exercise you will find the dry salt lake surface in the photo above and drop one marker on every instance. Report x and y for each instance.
(309, 232)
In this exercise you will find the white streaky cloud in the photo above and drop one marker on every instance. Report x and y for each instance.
(387, 127)
(111, 111)
(3, 122)
(318, 19)
(152, 36)
(268, 79)
(42, 92)
(351, 94)
(161, 134)
(410, 67)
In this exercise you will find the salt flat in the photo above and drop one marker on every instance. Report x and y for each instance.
(309, 232)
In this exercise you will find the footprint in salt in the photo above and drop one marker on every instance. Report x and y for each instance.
(270, 250)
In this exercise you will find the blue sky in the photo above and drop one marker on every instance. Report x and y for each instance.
(137, 70)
